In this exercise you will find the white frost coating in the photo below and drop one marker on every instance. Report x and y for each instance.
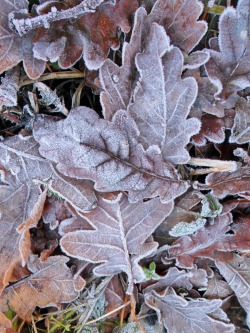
(184, 228)
(22, 26)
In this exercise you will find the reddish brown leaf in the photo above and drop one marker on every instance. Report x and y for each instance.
(22, 200)
(5, 324)
(91, 36)
(14, 48)
(227, 183)
(51, 283)
(15, 246)
(213, 242)
(213, 128)
(176, 278)
(55, 211)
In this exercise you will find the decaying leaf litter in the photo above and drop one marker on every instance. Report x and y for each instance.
(125, 167)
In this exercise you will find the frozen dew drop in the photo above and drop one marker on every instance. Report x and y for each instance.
(115, 78)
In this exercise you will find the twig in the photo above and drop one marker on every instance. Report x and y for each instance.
(33, 324)
(53, 76)
(123, 311)
(133, 312)
(106, 314)
(22, 26)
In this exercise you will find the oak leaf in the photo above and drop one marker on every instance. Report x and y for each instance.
(229, 67)
(179, 18)
(15, 48)
(90, 36)
(240, 132)
(87, 147)
(51, 283)
(194, 315)
(236, 273)
(119, 239)
(217, 287)
(223, 184)
(160, 101)
(23, 171)
(214, 242)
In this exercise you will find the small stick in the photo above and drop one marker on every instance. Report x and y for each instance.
(106, 314)
(53, 76)
(123, 311)
(133, 312)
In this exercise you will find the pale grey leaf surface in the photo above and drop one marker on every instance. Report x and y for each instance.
(20, 155)
(205, 242)
(217, 288)
(162, 99)
(237, 274)
(177, 278)
(118, 82)
(179, 18)
(195, 59)
(180, 315)
(9, 87)
(51, 283)
(87, 147)
(240, 132)
(15, 244)
(229, 68)
(119, 239)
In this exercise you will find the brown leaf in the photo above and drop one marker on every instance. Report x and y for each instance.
(119, 239)
(51, 283)
(114, 296)
(5, 324)
(91, 36)
(14, 48)
(54, 212)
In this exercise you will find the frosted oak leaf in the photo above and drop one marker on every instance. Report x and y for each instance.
(119, 240)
